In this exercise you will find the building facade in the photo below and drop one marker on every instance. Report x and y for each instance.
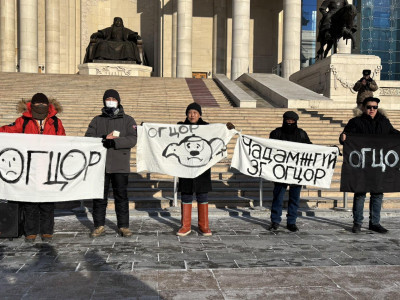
(181, 38)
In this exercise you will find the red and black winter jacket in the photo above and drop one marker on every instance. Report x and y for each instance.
(31, 125)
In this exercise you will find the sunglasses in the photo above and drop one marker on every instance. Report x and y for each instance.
(372, 106)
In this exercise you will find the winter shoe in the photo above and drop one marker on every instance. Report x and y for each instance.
(47, 238)
(98, 231)
(292, 227)
(203, 219)
(356, 228)
(273, 226)
(377, 228)
(124, 232)
(30, 238)
(186, 220)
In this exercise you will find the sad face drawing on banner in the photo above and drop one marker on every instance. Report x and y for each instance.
(194, 151)
(11, 165)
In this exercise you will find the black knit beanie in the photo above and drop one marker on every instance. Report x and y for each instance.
(111, 93)
(290, 115)
(194, 106)
(39, 98)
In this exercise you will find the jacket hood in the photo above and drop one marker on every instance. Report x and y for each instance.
(24, 108)
(357, 112)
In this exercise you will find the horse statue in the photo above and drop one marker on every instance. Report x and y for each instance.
(341, 26)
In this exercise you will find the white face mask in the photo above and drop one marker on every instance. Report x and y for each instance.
(111, 104)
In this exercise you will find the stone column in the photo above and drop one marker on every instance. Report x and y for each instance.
(174, 37)
(53, 36)
(7, 35)
(72, 38)
(219, 37)
(28, 39)
(291, 37)
(184, 39)
(342, 47)
(240, 37)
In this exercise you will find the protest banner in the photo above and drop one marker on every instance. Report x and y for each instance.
(285, 162)
(371, 164)
(47, 168)
(185, 151)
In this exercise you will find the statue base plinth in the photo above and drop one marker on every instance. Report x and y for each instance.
(115, 69)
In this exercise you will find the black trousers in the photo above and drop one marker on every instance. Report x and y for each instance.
(38, 218)
(119, 183)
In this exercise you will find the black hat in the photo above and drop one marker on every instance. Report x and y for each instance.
(39, 98)
(290, 115)
(111, 93)
(366, 100)
(366, 72)
(194, 106)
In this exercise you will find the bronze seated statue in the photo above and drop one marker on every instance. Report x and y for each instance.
(115, 43)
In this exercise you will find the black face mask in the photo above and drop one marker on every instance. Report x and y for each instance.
(40, 112)
(289, 128)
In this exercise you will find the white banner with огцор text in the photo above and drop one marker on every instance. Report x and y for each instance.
(285, 162)
(48, 168)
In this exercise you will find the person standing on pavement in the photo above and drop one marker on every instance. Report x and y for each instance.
(365, 87)
(38, 117)
(370, 120)
(200, 185)
(288, 132)
(119, 134)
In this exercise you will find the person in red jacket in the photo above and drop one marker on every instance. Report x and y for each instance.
(38, 117)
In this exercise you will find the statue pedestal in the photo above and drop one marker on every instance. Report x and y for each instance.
(115, 69)
(335, 76)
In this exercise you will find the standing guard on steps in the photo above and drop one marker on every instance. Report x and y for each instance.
(200, 185)
(118, 131)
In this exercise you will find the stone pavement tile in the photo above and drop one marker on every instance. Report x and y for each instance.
(181, 280)
(14, 286)
(131, 256)
(192, 294)
(366, 282)
(257, 263)
(65, 285)
(159, 265)
(44, 266)
(292, 292)
(103, 266)
(212, 255)
(271, 277)
(306, 262)
(133, 285)
(279, 255)
(210, 264)
(193, 255)
(364, 261)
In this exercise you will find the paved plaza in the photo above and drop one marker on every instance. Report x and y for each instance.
(242, 260)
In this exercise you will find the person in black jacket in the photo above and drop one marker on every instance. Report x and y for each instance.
(200, 185)
(370, 121)
(119, 134)
(288, 132)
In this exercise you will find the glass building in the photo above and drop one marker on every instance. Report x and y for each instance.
(380, 34)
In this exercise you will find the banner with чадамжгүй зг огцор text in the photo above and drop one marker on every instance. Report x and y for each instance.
(285, 162)
(184, 151)
(48, 168)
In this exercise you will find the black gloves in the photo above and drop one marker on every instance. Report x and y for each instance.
(110, 143)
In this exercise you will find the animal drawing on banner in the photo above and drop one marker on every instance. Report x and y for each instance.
(194, 151)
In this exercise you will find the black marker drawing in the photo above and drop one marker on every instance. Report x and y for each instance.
(11, 165)
(194, 151)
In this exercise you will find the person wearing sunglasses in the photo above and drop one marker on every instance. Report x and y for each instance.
(370, 120)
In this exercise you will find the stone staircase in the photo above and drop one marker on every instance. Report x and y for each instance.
(164, 100)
